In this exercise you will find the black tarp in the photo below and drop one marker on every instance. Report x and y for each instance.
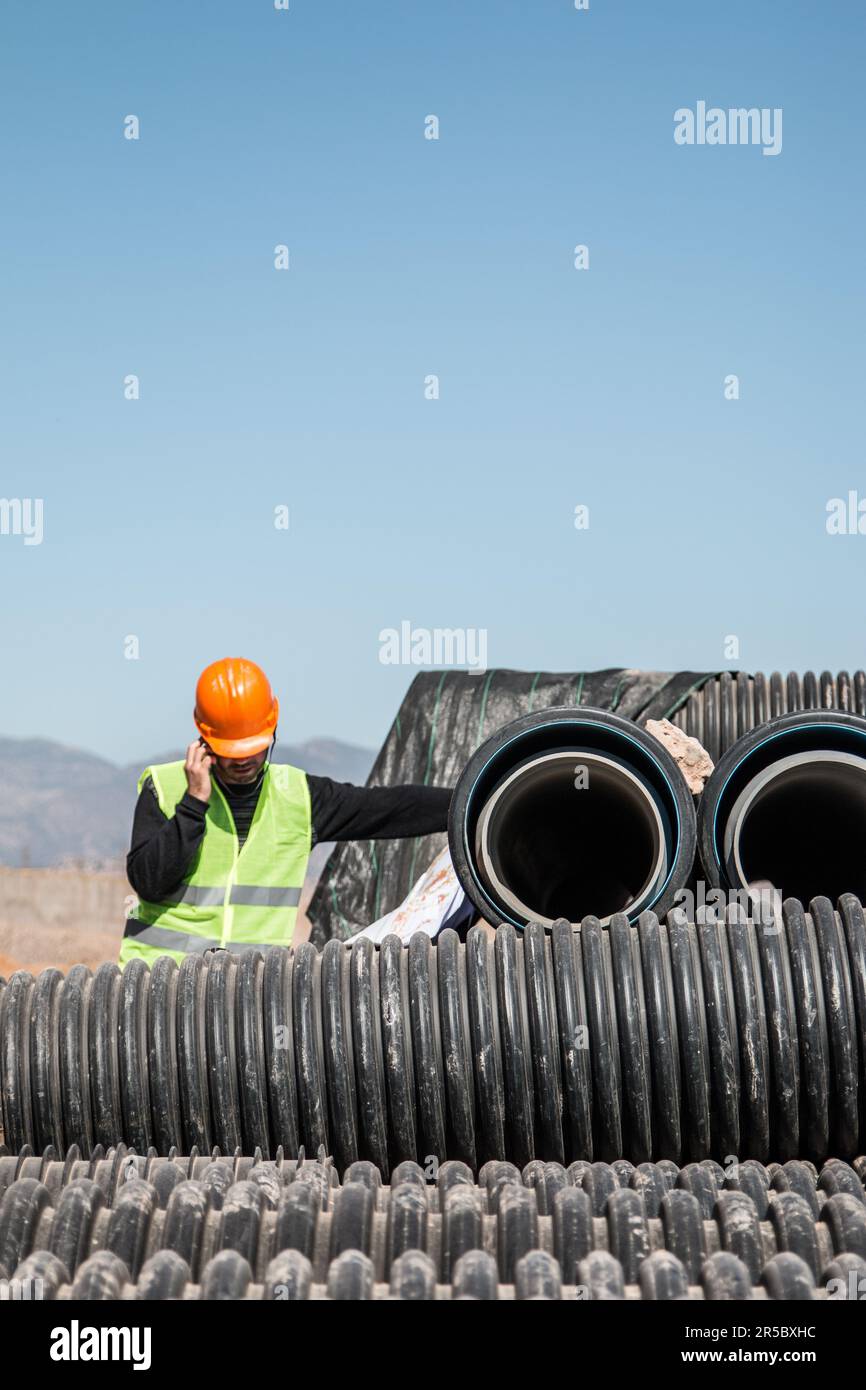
(444, 717)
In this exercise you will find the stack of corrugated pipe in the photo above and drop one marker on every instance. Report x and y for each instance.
(644, 1084)
(122, 1226)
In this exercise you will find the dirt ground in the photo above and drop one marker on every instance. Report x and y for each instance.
(66, 917)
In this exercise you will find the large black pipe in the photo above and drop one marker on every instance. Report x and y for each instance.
(569, 812)
(140, 1228)
(654, 1041)
(785, 810)
(731, 704)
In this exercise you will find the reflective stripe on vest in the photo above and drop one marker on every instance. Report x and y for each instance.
(234, 896)
(184, 942)
(248, 895)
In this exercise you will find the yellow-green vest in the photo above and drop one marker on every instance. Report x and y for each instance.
(232, 897)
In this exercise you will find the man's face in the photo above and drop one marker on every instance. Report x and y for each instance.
(239, 771)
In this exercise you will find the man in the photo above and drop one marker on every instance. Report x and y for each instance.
(220, 841)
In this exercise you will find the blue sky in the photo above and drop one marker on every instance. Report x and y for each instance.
(411, 257)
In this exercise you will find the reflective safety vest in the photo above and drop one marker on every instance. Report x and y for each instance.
(232, 897)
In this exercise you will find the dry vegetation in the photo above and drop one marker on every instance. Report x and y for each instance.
(64, 917)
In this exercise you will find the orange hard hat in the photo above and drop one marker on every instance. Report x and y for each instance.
(236, 711)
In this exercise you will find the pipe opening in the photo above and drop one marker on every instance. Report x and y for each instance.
(572, 833)
(800, 827)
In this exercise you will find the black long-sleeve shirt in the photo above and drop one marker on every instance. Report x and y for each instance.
(163, 849)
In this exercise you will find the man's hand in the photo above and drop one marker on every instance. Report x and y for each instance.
(197, 767)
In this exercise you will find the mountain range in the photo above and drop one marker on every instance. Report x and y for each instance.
(64, 806)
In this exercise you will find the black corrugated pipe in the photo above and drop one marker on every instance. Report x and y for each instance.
(785, 809)
(568, 812)
(732, 704)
